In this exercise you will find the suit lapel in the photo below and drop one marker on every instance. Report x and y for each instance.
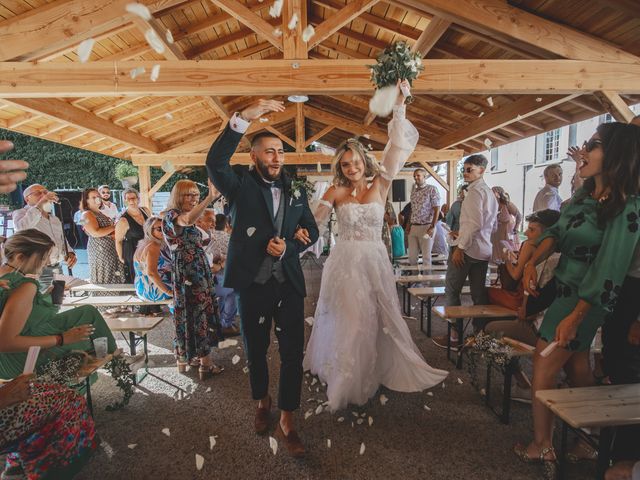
(266, 194)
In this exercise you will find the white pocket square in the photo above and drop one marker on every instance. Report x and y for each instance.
(251, 231)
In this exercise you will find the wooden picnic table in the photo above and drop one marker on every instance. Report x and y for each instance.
(605, 406)
(427, 294)
(111, 287)
(111, 301)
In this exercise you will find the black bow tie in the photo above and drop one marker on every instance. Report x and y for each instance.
(275, 184)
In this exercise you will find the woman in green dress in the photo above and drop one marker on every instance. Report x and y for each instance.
(596, 234)
(28, 318)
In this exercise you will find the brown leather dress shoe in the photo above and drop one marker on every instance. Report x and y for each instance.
(262, 419)
(292, 442)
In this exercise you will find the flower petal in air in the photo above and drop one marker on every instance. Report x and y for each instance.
(84, 50)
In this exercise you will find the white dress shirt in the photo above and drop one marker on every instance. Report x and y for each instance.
(32, 217)
(110, 210)
(478, 215)
(547, 198)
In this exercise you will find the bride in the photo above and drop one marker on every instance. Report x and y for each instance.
(359, 339)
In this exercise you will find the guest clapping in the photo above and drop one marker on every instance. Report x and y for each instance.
(104, 266)
(152, 266)
(195, 315)
(129, 231)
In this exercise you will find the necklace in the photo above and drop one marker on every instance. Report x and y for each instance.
(15, 269)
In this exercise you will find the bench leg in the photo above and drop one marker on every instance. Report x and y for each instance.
(562, 461)
(604, 451)
(460, 328)
(506, 393)
(421, 315)
(449, 341)
(132, 343)
(429, 307)
(88, 394)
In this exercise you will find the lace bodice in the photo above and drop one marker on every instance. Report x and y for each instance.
(360, 221)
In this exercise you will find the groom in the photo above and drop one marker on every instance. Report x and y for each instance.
(262, 262)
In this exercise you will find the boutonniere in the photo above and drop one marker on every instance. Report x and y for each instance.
(299, 186)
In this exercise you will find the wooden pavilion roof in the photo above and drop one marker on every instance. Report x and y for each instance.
(543, 63)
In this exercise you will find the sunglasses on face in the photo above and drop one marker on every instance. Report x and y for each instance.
(591, 144)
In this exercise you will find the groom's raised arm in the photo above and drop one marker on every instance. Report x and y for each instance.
(220, 153)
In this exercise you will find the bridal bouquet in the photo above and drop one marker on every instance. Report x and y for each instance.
(396, 62)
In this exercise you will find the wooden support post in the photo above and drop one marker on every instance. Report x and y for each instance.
(144, 179)
(452, 178)
(615, 105)
(300, 134)
(159, 184)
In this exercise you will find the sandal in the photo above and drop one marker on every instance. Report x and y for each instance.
(206, 371)
(549, 465)
(586, 454)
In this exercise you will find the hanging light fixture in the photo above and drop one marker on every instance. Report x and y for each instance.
(298, 98)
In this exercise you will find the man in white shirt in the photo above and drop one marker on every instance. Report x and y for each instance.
(548, 196)
(425, 209)
(109, 208)
(472, 248)
(38, 214)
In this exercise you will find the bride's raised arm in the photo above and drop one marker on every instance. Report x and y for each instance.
(403, 138)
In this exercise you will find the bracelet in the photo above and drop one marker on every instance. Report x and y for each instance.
(59, 340)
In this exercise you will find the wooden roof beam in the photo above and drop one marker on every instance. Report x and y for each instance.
(335, 22)
(247, 52)
(224, 40)
(616, 106)
(247, 17)
(430, 36)
(61, 111)
(159, 111)
(300, 132)
(318, 135)
(281, 136)
(293, 45)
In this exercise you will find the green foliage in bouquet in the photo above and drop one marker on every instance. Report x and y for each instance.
(396, 62)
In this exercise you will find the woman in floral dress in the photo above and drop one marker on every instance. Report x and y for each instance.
(195, 316)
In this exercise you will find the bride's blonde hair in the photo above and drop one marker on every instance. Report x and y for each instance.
(371, 167)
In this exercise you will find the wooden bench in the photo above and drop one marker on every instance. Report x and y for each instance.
(606, 407)
(84, 376)
(89, 288)
(111, 301)
(428, 296)
(405, 259)
(457, 314)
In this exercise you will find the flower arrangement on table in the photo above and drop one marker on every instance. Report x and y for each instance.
(396, 63)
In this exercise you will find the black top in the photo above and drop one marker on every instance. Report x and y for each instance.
(130, 243)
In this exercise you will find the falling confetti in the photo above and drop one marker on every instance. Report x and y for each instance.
(488, 142)
(360, 421)
(319, 167)
(355, 414)
(276, 9)
(340, 419)
(263, 120)
(132, 446)
(307, 33)
(309, 321)
(155, 72)
(362, 448)
(199, 462)
(481, 114)
(273, 443)
(278, 329)
(307, 414)
(279, 303)
(138, 9)
(277, 32)
(459, 381)
(212, 441)
(443, 385)
(426, 407)
(490, 101)
(370, 421)
(84, 50)
(384, 399)
(235, 359)
(293, 22)
(363, 415)
(328, 443)
(154, 41)
(166, 431)
(519, 117)
(169, 36)
(319, 410)
(168, 116)
(385, 330)
(367, 136)
(539, 99)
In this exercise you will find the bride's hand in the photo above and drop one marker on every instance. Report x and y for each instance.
(302, 235)
(404, 90)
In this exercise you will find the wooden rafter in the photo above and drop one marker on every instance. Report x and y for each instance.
(616, 106)
(62, 111)
(300, 134)
(430, 36)
(318, 135)
(338, 20)
(224, 40)
(281, 77)
(281, 136)
(294, 46)
(250, 19)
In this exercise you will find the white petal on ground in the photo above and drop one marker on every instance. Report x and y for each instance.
(319, 409)
(426, 407)
(309, 321)
(212, 441)
(235, 359)
(430, 394)
(277, 32)
(131, 446)
(207, 390)
(155, 72)
(384, 399)
(488, 142)
(360, 421)
(307, 33)
(328, 443)
(134, 72)
(139, 9)
(166, 431)
(340, 419)
(370, 421)
(383, 100)
(273, 443)
(293, 22)
(490, 101)
(169, 36)
(154, 41)
(276, 9)
(314, 381)
(84, 50)
(307, 414)
(245, 369)
(459, 380)
(355, 414)
(362, 448)
(199, 462)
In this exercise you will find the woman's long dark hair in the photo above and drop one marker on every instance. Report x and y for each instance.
(620, 168)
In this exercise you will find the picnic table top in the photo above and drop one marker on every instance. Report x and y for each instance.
(602, 406)
(476, 311)
(111, 287)
(93, 365)
(139, 323)
(433, 277)
(431, 291)
(110, 301)
(432, 268)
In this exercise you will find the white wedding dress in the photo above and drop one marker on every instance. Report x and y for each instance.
(359, 339)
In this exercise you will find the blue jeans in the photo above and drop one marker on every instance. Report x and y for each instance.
(476, 271)
(226, 302)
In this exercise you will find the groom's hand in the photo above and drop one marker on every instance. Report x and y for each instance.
(276, 247)
(261, 107)
(302, 235)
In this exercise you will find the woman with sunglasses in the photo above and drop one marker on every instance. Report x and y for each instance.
(152, 268)
(596, 236)
(195, 311)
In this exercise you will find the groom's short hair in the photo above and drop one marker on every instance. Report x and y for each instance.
(257, 138)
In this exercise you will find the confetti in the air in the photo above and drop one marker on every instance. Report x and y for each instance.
(481, 114)
(362, 448)
(490, 101)
(314, 381)
(293, 22)
(360, 421)
(168, 116)
(539, 99)
(139, 9)
(263, 120)
(319, 167)
(307, 33)
(134, 72)
(245, 369)
(208, 390)
(276, 9)
(212, 441)
(199, 462)
(367, 136)
(273, 443)
(154, 41)
(488, 142)
(84, 50)
(277, 32)
(166, 431)
(169, 36)
(443, 385)
(383, 399)
(131, 446)
(385, 330)
(250, 232)
(155, 72)
(235, 359)
(278, 329)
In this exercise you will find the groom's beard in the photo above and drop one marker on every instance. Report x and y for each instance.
(264, 172)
